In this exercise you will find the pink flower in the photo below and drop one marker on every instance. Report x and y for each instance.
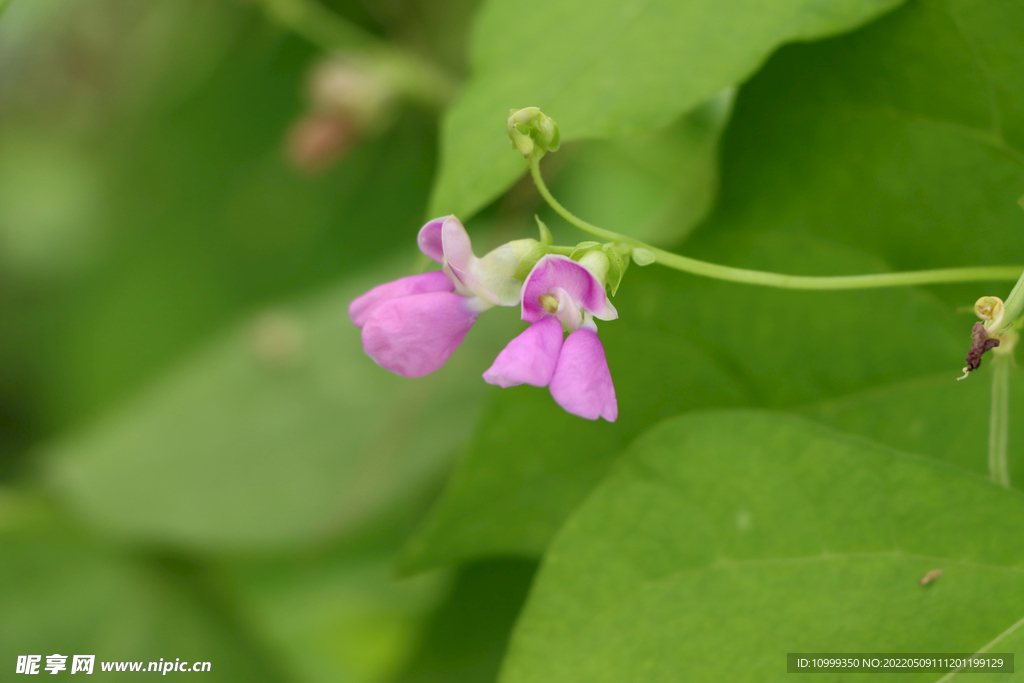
(560, 293)
(412, 325)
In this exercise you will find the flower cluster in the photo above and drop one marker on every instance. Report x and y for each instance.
(412, 325)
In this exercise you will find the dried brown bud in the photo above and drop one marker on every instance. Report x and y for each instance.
(980, 343)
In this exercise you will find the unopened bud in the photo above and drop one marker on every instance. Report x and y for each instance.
(532, 132)
(643, 257)
(991, 310)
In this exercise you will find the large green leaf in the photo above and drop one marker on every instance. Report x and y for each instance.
(680, 344)
(280, 432)
(725, 540)
(608, 69)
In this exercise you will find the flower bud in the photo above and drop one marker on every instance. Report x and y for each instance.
(643, 257)
(532, 132)
(991, 310)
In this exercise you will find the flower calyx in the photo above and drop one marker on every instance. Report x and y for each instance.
(536, 252)
(603, 260)
(532, 132)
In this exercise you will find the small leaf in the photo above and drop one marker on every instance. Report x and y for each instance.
(545, 234)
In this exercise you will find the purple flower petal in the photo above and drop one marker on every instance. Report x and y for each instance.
(363, 307)
(415, 335)
(530, 358)
(458, 255)
(555, 270)
(582, 384)
(429, 239)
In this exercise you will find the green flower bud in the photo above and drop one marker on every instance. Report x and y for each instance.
(532, 132)
(643, 257)
(992, 310)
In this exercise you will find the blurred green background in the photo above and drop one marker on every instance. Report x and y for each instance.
(196, 459)
(154, 231)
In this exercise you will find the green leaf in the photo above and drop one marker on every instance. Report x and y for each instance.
(933, 415)
(680, 343)
(280, 432)
(726, 539)
(908, 146)
(465, 639)
(653, 186)
(615, 69)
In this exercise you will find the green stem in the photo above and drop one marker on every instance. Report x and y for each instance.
(999, 420)
(1014, 306)
(757, 277)
(419, 80)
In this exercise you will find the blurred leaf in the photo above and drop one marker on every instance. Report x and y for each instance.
(340, 615)
(786, 537)
(466, 637)
(235, 228)
(616, 68)
(49, 209)
(653, 186)
(934, 416)
(64, 594)
(343, 618)
(681, 343)
(281, 432)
